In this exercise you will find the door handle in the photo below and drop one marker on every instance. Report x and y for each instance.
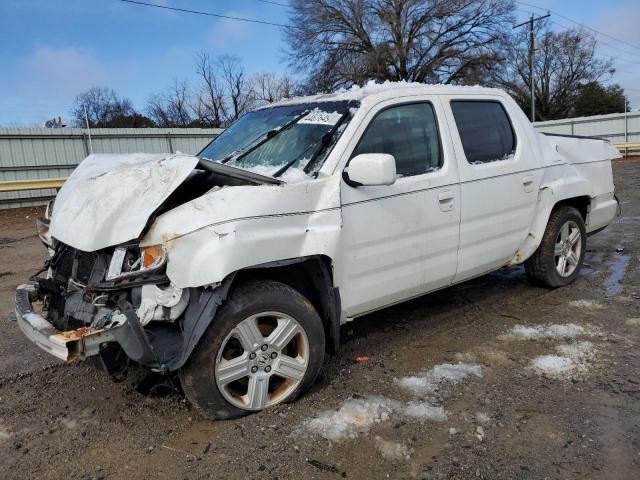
(527, 183)
(444, 197)
(445, 200)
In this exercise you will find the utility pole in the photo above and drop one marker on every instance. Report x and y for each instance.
(86, 119)
(532, 49)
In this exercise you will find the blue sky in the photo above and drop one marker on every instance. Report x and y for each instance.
(53, 49)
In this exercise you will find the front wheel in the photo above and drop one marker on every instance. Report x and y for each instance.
(265, 346)
(560, 255)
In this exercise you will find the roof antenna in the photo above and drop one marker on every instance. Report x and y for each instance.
(86, 119)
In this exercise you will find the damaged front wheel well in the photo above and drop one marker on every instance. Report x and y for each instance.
(312, 277)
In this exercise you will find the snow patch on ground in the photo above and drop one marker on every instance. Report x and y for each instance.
(392, 450)
(355, 416)
(482, 418)
(70, 422)
(552, 364)
(446, 373)
(535, 332)
(417, 384)
(590, 304)
(424, 410)
(358, 415)
(573, 358)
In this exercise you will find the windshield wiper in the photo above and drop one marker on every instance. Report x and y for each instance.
(264, 138)
(324, 140)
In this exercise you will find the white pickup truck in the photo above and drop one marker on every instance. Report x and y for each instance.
(236, 267)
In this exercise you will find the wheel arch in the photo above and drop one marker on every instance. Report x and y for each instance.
(548, 202)
(312, 276)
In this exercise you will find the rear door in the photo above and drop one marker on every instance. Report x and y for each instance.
(499, 179)
(401, 240)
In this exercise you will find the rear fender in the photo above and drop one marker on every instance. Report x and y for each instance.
(550, 194)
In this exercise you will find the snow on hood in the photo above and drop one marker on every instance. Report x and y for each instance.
(109, 198)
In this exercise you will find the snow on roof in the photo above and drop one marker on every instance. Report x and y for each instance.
(386, 89)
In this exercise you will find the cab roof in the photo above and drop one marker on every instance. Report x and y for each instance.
(381, 91)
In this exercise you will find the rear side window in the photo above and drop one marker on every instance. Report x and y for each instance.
(409, 133)
(485, 130)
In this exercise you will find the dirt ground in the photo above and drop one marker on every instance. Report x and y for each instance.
(508, 420)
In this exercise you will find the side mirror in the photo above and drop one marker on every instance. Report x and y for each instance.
(370, 169)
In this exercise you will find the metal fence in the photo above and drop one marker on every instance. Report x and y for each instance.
(42, 153)
(53, 153)
(615, 127)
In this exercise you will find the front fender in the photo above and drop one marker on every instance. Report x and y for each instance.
(210, 254)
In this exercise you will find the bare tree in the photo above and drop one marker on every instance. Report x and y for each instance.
(269, 87)
(209, 104)
(171, 108)
(103, 106)
(224, 92)
(564, 62)
(238, 91)
(343, 42)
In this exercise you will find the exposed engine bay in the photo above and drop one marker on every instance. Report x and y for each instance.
(124, 290)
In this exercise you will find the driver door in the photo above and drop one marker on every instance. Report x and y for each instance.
(401, 240)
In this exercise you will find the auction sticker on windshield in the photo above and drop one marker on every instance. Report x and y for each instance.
(320, 117)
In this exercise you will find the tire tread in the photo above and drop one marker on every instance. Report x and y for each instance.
(540, 268)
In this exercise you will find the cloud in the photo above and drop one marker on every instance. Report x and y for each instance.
(46, 82)
(621, 22)
(227, 33)
(63, 72)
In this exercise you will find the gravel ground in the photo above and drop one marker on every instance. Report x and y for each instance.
(559, 398)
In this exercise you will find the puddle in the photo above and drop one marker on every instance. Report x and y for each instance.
(618, 267)
(198, 439)
(629, 220)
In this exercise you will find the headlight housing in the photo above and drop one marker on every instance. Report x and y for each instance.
(42, 229)
(131, 260)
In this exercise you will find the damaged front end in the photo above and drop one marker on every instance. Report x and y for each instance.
(116, 302)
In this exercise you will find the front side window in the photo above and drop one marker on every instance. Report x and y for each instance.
(409, 133)
(485, 130)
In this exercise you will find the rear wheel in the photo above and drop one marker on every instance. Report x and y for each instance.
(265, 347)
(559, 257)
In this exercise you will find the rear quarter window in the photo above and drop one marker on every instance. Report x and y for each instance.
(485, 130)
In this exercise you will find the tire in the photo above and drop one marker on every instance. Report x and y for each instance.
(545, 265)
(224, 352)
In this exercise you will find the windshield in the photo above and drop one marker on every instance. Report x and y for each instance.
(292, 138)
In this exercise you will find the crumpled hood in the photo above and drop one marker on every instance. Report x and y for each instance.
(108, 199)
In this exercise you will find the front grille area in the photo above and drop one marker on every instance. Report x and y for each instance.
(71, 263)
(71, 270)
(84, 266)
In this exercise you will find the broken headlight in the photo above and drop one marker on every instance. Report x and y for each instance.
(132, 260)
(42, 228)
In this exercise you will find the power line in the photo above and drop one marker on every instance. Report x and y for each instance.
(578, 23)
(600, 42)
(274, 3)
(618, 50)
(208, 14)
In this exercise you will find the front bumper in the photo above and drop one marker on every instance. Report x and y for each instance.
(68, 346)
